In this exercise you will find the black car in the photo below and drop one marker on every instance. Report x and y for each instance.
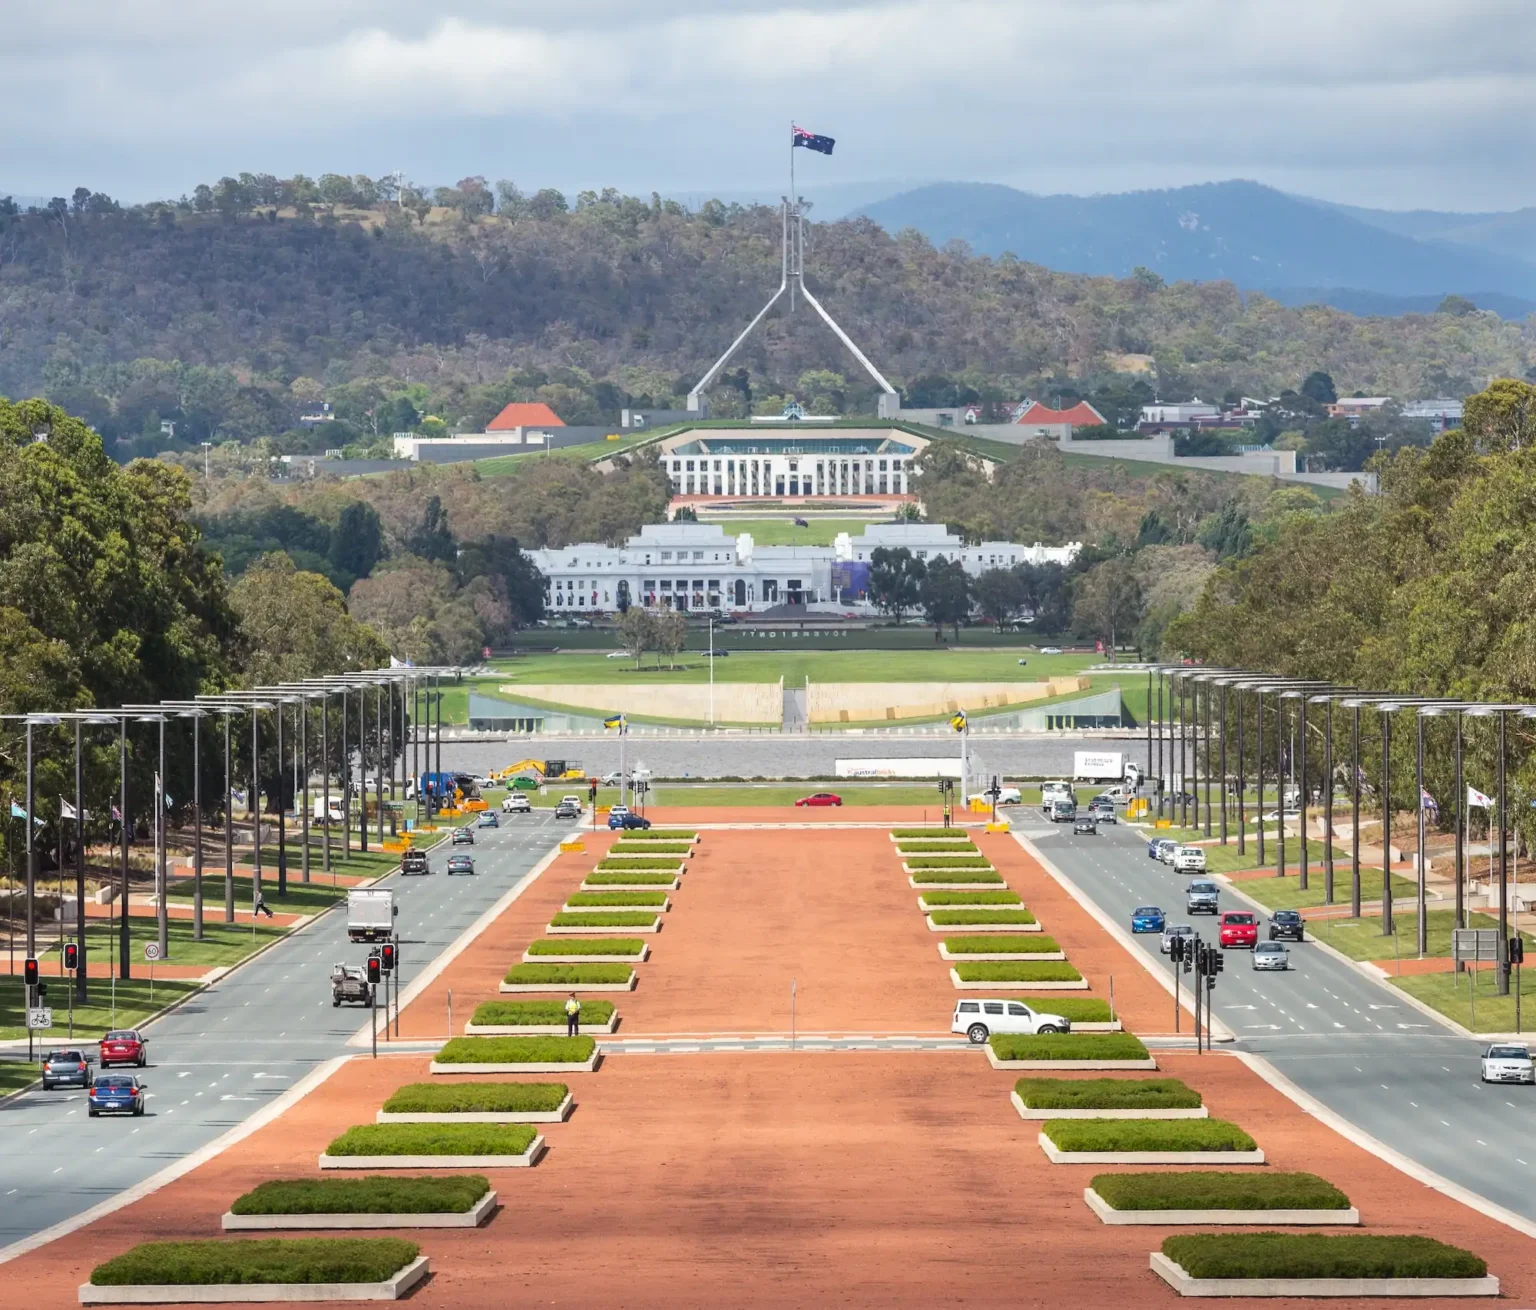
(463, 837)
(1086, 824)
(1286, 925)
(568, 810)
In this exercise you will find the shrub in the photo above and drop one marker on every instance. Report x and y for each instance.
(259, 1260)
(1106, 1093)
(434, 1139)
(517, 1050)
(659, 834)
(973, 898)
(589, 945)
(1067, 1046)
(537, 1012)
(1147, 1134)
(611, 879)
(375, 1195)
(650, 847)
(1211, 1189)
(1018, 971)
(939, 834)
(1319, 1255)
(632, 863)
(1001, 918)
(948, 862)
(942, 876)
(616, 898)
(619, 919)
(572, 975)
(1001, 944)
(937, 848)
(476, 1098)
(1076, 1009)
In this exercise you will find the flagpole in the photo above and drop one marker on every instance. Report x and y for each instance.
(792, 210)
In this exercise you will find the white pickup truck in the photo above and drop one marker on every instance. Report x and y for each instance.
(371, 914)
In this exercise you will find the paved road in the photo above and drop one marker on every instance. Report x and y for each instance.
(810, 1042)
(1348, 1040)
(233, 1048)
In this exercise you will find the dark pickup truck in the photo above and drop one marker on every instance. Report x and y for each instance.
(414, 862)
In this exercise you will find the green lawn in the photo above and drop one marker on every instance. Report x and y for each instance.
(302, 898)
(92, 1019)
(223, 943)
(1451, 994)
(1227, 859)
(16, 1073)
(1362, 939)
(1286, 894)
(783, 532)
(787, 795)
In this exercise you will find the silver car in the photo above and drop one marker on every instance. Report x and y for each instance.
(1271, 955)
(1171, 931)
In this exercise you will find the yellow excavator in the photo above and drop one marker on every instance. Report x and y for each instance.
(545, 771)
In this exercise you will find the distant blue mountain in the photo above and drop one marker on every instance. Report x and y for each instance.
(1253, 235)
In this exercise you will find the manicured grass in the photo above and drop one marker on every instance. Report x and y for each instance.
(948, 862)
(373, 1195)
(618, 919)
(1215, 1190)
(517, 1050)
(589, 899)
(1075, 1009)
(939, 877)
(94, 1018)
(981, 915)
(786, 794)
(16, 1074)
(1319, 1255)
(1067, 1046)
(636, 863)
(1225, 859)
(1452, 995)
(931, 834)
(659, 835)
(651, 848)
(1362, 939)
(312, 897)
(435, 1139)
(223, 943)
(1106, 1093)
(1286, 893)
(937, 848)
(476, 1098)
(1018, 973)
(610, 879)
(1147, 1134)
(973, 898)
(1002, 944)
(574, 976)
(786, 532)
(259, 1260)
(590, 945)
(491, 1013)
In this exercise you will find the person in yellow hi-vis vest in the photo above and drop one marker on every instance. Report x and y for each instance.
(572, 1016)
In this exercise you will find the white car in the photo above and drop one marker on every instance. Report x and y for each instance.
(1006, 796)
(617, 655)
(1050, 650)
(617, 811)
(1271, 955)
(1188, 859)
(978, 1020)
(571, 798)
(516, 803)
(1508, 1063)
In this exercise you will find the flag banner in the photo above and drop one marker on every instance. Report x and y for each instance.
(1477, 801)
(1427, 802)
(117, 815)
(958, 721)
(17, 812)
(614, 721)
(66, 810)
(811, 141)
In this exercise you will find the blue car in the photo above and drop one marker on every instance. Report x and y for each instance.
(628, 820)
(1147, 919)
(116, 1093)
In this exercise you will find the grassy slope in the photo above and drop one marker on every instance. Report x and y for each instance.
(91, 1020)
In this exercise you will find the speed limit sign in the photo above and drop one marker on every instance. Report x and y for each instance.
(151, 950)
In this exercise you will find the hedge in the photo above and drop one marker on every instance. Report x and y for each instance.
(659, 834)
(1067, 1046)
(938, 834)
(259, 1260)
(476, 1098)
(1212, 1189)
(948, 862)
(1147, 1135)
(941, 876)
(610, 879)
(973, 898)
(1018, 971)
(631, 863)
(620, 919)
(1319, 1255)
(572, 975)
(516, 1050)
(937, 848)
(1076, 1009)
(963, 918)
(373, 1195)
(537, 1012)
(1002, 943)
(616, 898)
(589, 945)
(1106, 1093)
(434, 1139)
(654, 847)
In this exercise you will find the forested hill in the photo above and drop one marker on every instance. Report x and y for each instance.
(645, 294)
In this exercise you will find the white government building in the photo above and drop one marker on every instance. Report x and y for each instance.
(699, 566)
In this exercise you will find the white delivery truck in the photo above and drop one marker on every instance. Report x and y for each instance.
(324, 811)
(370, 914)
(1098, 766)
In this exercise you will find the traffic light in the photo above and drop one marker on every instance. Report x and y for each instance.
(1517, 950)
(71, 957)
(1176, 950)
(1218, 961)
(592, 792)
(29, 972)
(387, 957)
(373, 968)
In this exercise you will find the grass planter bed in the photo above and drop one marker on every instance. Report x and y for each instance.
(434, 1146)
(595, 949)
(1002, 946)
(537, 1019)
(915, 862)
(1147, 1141)
(1068, 1051)
(665, 882)
(909, 848)
(1086, 1014)
(959, 879)
(579, 902)
(1319, 1264)
(660, 834)
(1001, 899)
(650, 848)
(1106, 1098)
(258, 1270)
(639, 864)
(925, 834)
(983, 920)
(600, 921)
(569, 978)
(1036, 975)
(517, 1055)
(478, 1103)
(454, 1202)
(1212, 1197)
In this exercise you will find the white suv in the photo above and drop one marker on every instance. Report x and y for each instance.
(516, 803)
(1188, 859)
(978, 1020)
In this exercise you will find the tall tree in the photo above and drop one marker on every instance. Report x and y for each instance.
(945, 593)
(895, 579)
(1108, 603)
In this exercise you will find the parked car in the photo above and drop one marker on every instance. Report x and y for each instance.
(1086, 826)
(116, 1093)
(1188, 859)
(568, 809)
(1200, 897)
(414, 862)
(1239, 929)
(1149, 918)
(1506, 1062)
(516, 803)
(463, 837)
(821, 798)
(1270, 955)
(1172, 930)
(123, 1046)
(978, 1020)
(1287, 925)
(630, 820)
(460, 864)
(66, 1069)
(1050, 650)
(618, 655)
(1006, 796)
(488, 819)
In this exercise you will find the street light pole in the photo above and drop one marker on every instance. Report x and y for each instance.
(125, 969)
(1242, 781)
(1221, 781)
(28, 824)
(1301, 793)
(1328, 801)
(1259, 691)
(1162, 785)
(1386, 823)
(1503, 866)
(162, 915)
(304, 778)
(81, 971)
(282, 808)
(229, 821)
(1279, 785)
(1354, 835)
(197, 828)
(1422, 932)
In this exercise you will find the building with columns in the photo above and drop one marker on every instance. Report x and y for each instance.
(790, 459)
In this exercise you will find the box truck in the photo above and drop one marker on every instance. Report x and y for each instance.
(1098, 766)
(370, 914)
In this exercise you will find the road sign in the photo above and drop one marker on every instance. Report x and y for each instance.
(1477, 944)
(41, 1017)
(151, 950)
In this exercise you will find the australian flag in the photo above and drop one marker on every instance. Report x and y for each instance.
(811, 141)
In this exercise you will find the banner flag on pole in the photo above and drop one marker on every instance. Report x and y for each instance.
(66, 810)
(811, 141)
(17, 812)
(958, 721)
(614, 721)
(1477, 801)
(1427, 802)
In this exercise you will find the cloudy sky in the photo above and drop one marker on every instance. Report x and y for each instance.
(1397, 103)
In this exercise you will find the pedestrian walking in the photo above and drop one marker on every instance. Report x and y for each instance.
(572, 1016)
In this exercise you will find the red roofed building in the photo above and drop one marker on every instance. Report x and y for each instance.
(533, 414)
(1081, 415)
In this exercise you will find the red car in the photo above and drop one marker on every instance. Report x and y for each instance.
(124, 1046)
(820, 798)
(1240, 928)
